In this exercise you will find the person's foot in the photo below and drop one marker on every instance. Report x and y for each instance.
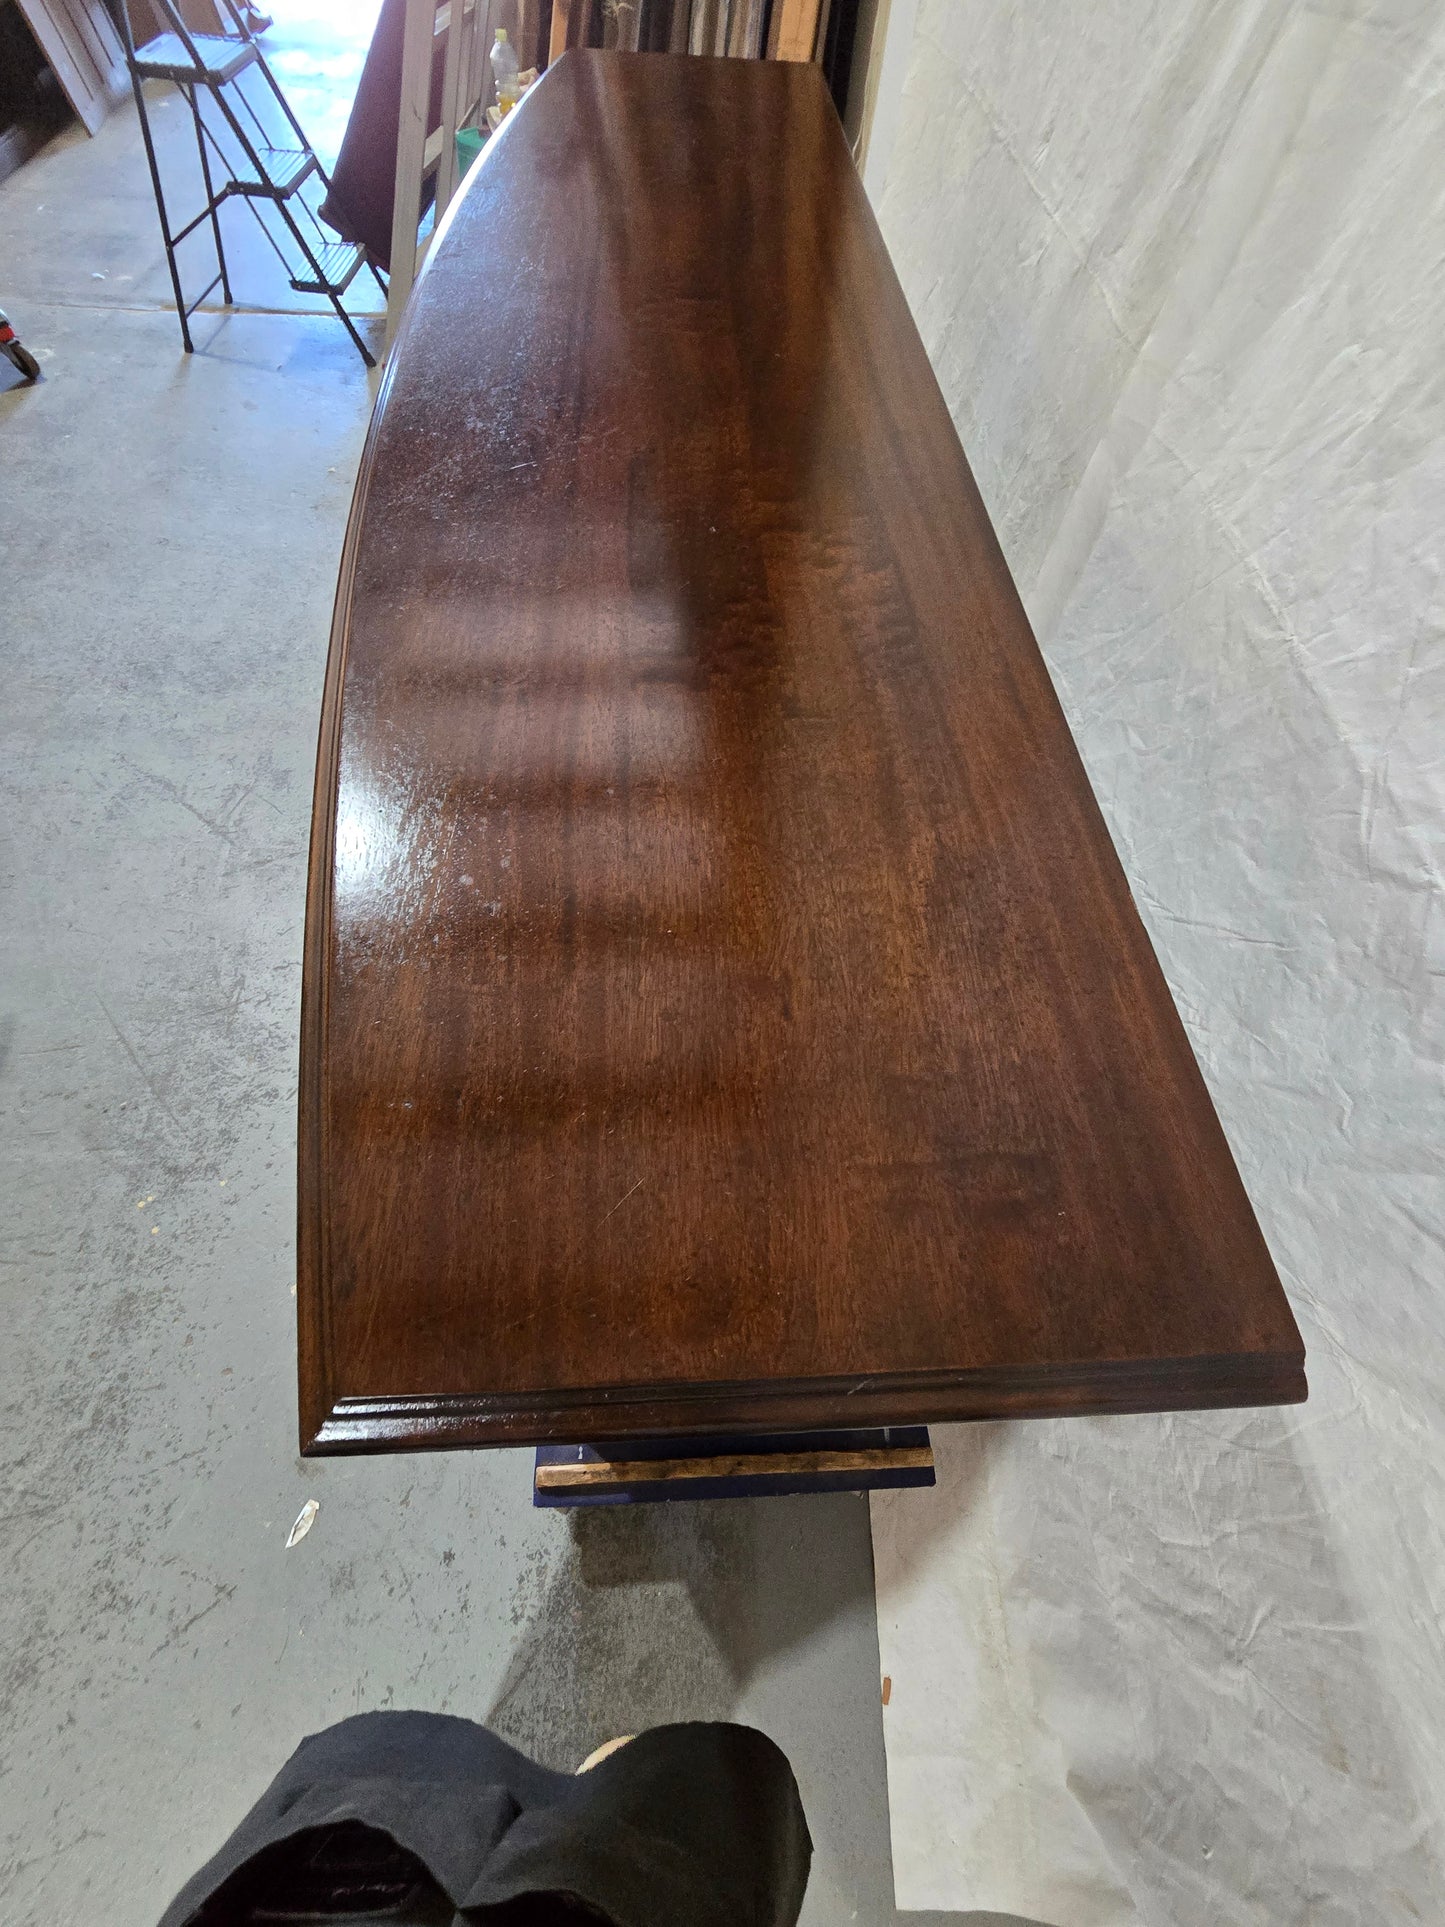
(252, 18)
(608, 1746)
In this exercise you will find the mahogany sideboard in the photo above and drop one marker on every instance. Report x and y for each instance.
(724, 1009)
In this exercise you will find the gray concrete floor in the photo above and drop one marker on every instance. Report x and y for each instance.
(170, 535)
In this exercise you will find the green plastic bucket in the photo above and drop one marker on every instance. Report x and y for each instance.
(470, 142)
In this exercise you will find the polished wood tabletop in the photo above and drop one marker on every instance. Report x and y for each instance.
(724, 1008)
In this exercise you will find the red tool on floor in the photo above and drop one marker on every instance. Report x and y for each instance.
(12, 346)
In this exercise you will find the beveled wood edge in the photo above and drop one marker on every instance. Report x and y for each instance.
(313, 1358)
(592, 1415)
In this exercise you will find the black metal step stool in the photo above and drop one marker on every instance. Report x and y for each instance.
(210, 65)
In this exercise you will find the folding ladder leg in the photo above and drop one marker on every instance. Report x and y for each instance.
(145, 128)
(190, 94)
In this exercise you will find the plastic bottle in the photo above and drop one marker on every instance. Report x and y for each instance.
(504, 71)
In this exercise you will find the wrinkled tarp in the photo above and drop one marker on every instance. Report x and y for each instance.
(1181, 270)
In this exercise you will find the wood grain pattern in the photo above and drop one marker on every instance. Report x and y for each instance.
(723, 1005)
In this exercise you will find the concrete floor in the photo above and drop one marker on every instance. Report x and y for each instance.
(170, 536)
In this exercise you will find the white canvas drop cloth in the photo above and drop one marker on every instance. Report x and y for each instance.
(1180, 265)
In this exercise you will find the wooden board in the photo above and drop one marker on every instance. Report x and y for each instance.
(79, 40)
(794, 30)
(768, 1466)
(606, 1474)
(723, 1006)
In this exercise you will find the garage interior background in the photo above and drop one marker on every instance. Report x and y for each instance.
(1181, 268)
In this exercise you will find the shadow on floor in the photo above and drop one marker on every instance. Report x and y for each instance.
(667, 1612)
(648, 1614)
